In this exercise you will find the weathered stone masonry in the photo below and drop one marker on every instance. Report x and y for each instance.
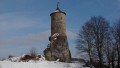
(58, 47)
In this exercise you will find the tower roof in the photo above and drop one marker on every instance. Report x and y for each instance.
(57, 10)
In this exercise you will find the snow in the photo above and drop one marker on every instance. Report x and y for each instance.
(40, 64)
(55, 35)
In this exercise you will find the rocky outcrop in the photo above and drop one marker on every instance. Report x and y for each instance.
(57, 49)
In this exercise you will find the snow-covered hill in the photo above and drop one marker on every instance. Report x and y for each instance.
(14, 62)
(40, 64)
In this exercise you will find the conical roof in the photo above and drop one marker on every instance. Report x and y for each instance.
(57, 10)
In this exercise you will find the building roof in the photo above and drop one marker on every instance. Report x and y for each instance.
(57, 10)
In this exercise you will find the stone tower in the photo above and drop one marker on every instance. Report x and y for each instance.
(58, 47)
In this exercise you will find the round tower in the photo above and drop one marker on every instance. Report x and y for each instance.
(58, 22)
(58, 47)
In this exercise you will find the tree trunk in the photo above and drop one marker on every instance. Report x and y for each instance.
(90, 58)
(100, 57)
(118, 61)
(112, 57)
(108, 56)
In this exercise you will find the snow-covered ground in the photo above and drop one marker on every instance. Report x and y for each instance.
(40, 64)
(14, 62)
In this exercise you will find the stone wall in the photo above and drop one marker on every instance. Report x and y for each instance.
(58, 47)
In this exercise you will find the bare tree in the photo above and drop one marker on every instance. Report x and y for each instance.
(110, 52)
(107, 50)
(116, 34)
(100, 32)
(92, 37)
(33, 52)
(113, 54)
(85, 40)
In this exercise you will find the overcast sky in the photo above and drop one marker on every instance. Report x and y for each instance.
(25, 24)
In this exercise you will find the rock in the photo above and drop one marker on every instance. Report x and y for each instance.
(58, 50)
